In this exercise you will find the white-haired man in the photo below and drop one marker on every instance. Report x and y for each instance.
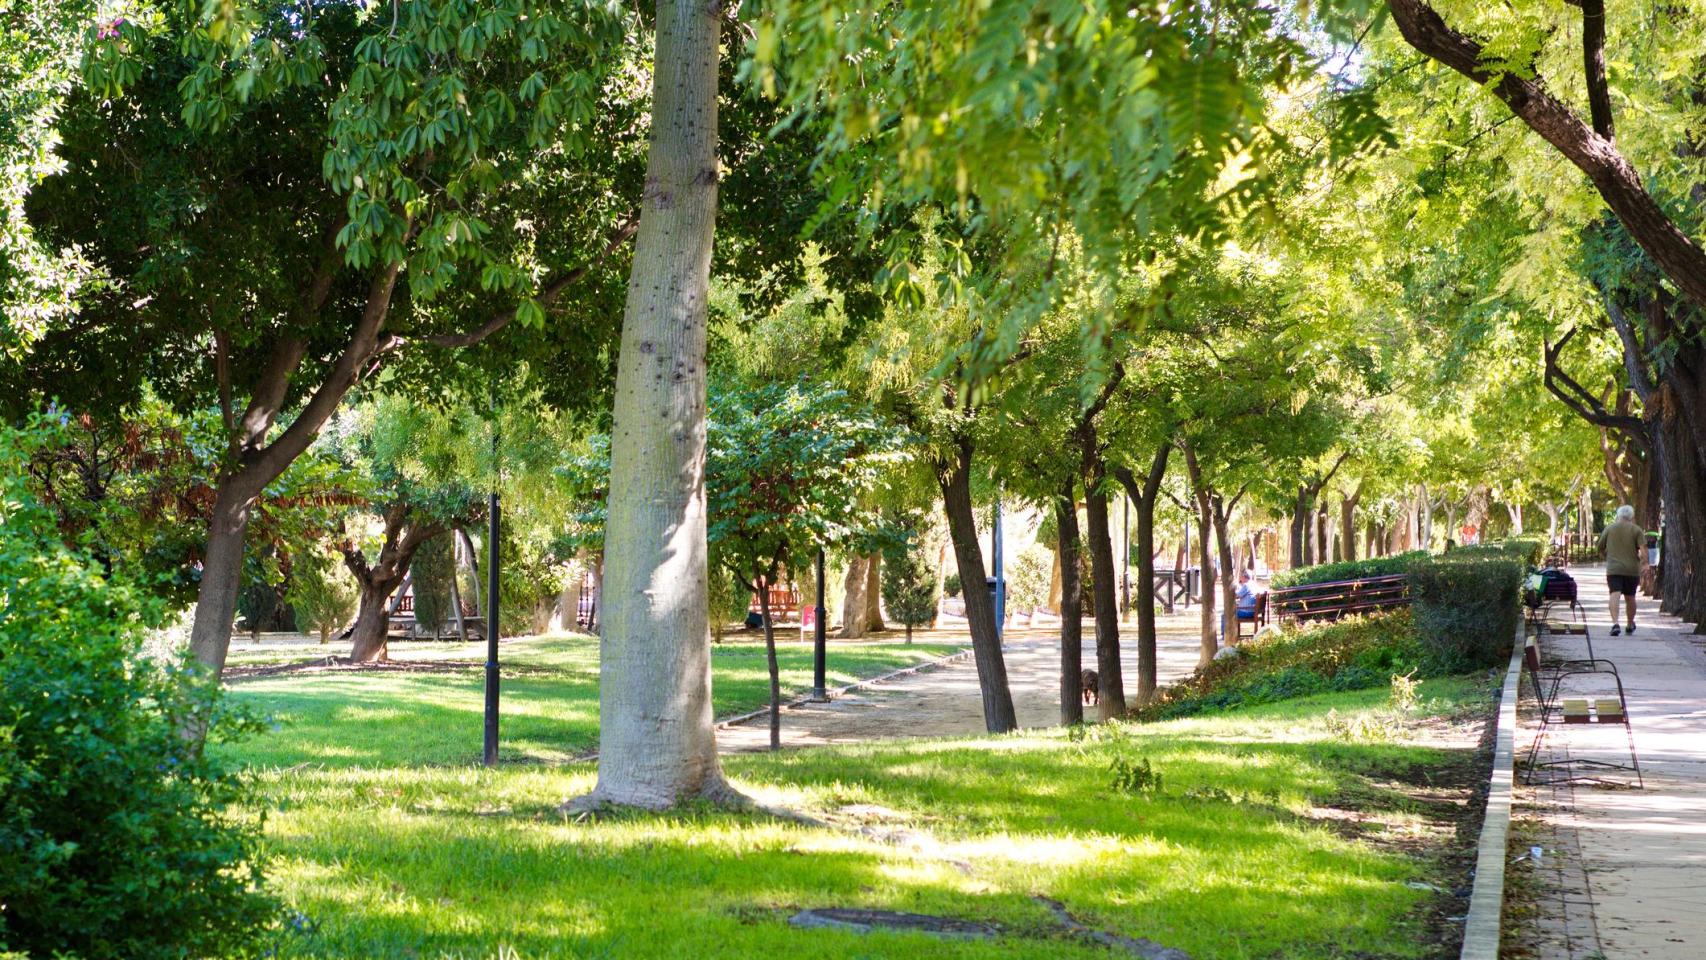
(1622, 543)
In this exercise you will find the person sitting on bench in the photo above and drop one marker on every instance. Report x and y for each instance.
(1621, 543)
(1246, 597)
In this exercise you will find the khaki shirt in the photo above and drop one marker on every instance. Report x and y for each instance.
(1622, 543)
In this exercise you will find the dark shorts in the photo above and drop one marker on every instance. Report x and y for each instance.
(1246, 614)
(1622, 583)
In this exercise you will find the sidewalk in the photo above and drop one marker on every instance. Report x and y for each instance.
(1641, 854)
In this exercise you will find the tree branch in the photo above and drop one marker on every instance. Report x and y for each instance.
(1593, 66)
(268, 462)
(547, 294)
(1619, 184)
(1577, 397)
(1633, 356)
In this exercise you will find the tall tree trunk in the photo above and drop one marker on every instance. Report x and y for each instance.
(855, 606)
(770, 661)
(1323, 533)
(1203, 497)
(1071, 602)
(954, 478)
(1684, 555)
(1228, 576)
(657, 746)
(874, 593)
(221, 574)
(1300, 512)
(1205, 555)
(1424, 518)
(262, 461)
(1143, 499)
(1111, 705)
(1348, 522)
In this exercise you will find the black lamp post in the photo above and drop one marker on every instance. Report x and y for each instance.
(492, 621)
(819, 638)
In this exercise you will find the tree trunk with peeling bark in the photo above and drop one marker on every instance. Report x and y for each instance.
(657, 746)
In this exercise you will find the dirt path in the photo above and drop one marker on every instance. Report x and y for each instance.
(945, 701)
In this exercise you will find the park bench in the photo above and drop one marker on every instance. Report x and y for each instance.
(404, 625)
(1171, 586)
(1257, 622)
(1549, 677)
(784, 603)
(1339, 598)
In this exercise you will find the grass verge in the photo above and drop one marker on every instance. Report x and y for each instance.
(1260, 833)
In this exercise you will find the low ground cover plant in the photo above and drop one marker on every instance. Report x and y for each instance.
(1351, 654)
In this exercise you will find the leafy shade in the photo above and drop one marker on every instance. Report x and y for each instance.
(1095, 123)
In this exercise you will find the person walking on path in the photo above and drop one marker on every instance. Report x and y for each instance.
(1621, 543)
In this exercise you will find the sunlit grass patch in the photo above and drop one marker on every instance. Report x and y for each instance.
(1224, 860)
(549, 700)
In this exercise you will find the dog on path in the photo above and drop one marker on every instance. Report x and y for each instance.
(1092, 687)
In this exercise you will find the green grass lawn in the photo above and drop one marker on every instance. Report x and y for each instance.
(1228, 859)
(550, 699)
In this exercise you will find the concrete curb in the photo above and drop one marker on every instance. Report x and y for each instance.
(1481, 929)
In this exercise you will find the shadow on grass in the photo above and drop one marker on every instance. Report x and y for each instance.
(399, 862)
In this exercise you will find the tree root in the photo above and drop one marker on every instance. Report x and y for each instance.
(1136, 946)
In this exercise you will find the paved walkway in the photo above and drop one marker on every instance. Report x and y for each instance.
(946, 701)
(1640, 854)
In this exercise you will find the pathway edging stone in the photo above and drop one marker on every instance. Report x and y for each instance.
(1481, 929)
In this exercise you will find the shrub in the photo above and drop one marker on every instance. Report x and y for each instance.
(322, 593)
(726, 599)
(1028, 583)
(951, 585)
(1466, 605)
(119, 837)
(431, 571)
(1530, 549)
(909, 589)
(1352, 654)
(1348, 569)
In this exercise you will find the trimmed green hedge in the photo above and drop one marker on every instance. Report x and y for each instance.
(1348, 570)
(1466, 604)
(1531, 551)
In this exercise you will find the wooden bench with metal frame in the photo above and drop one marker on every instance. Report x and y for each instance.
(1547, 677)
(1257, 621)
(1340, 598)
